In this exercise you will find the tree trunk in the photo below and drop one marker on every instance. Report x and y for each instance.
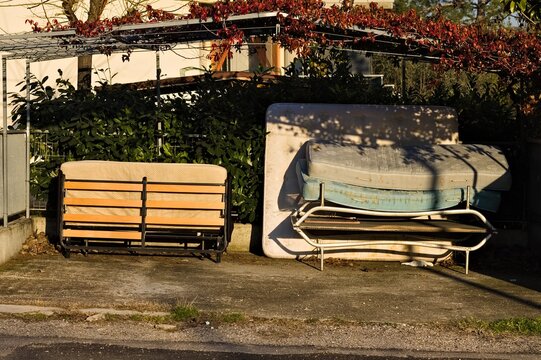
(84, 63)
(481, 9)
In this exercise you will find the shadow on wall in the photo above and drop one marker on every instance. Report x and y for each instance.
(367, 125)
(50, 215)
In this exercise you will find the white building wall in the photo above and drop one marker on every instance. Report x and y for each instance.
(142, 64)
(141, 67)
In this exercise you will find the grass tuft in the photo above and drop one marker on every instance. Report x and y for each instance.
(184, 312)
(37, 316)
(230, 318)
(524, 326)
(513, 326)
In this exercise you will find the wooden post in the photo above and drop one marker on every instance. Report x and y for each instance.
(403, 77)
(158, 103)
(27, 157)
(276, 59)
(5, 142)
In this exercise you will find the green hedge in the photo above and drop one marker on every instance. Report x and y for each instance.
(211, 122)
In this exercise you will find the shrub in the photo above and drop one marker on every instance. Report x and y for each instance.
(223, 122)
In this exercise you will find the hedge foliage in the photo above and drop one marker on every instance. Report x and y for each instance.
(215, 121)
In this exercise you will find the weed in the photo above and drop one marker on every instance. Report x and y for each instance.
(231, 318)
(39, 316)
(514, 326)
(136, 317)
(470, 324)
(184, 312)
(156, 319)
(524, 326)
(34, 316)
(112, 317)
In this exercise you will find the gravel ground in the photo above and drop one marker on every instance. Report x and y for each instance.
(280, 334)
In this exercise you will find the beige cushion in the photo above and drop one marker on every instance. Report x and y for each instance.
(135, 171)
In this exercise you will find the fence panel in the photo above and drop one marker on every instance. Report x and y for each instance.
(16, 173)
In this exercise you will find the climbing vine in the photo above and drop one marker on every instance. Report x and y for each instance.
(510, 52)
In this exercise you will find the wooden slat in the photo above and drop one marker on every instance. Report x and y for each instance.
(197, 189)
(103, 202)
(97, 185)
(117, 186)
(152, 204)
(406, 226)
(103, 219)
(164, 204)
(151, 220)
(102, 234)
(157, 220)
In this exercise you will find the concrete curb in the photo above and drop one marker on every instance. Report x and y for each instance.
(93, 311)
(245, 238)
(48, 311)
(29, 309)
(12, 238)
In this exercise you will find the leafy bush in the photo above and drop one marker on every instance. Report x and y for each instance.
(221, 122)
(217, 122)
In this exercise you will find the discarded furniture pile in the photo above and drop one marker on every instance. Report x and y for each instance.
(423, 193)
(376, 182)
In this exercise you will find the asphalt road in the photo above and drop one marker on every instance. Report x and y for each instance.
(23, 349)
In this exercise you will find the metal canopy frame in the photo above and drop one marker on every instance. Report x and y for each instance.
(148, 36)
(162, 36)
(167, 34)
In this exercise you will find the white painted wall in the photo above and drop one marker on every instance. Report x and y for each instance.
(141, 67)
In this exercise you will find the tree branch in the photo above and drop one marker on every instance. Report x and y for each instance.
(69, 7)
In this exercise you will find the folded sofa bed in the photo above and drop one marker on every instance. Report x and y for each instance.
(144, 207)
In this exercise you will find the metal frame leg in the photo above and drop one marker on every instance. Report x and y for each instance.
(467, 261)
(298, 218)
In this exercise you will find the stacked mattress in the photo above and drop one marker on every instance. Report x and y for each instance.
(404, 178)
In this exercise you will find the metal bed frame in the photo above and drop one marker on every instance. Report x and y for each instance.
(316, 216)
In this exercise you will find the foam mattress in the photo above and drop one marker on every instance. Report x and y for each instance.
(392, 200)
(418, 168)
(135, 171)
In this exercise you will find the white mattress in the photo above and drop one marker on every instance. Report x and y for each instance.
(290, 125)
(435, 167)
